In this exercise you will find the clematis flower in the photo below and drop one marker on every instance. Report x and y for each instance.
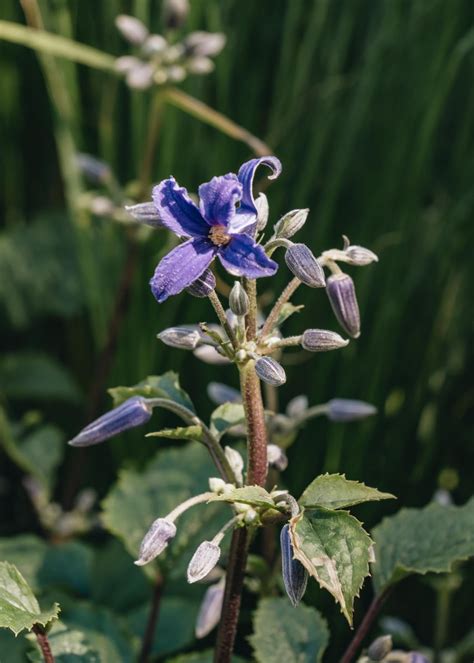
(219, 227)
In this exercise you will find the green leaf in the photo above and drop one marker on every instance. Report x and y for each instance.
(139, 497)
(29, 375)
(154, 386)
(421, 541)
(253, 495)
(66, 646)
(225, 417)
(19, 608)
(180, 433)
(285, 633)
(334, 491)
(335, 549)
(29, 552)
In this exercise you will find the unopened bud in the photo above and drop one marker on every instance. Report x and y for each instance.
(95, 170)
(276, 457)
(236, 463)
(295, 576)
(238, 300)
(417, 657)
(222, 393)
(132, 29)
(209, 355)
(322, 340)
(102, 206)
(141, 76)
(205, 44)
(126, 63)
(133, 412)
(380, 648)
(210, 610)
(250, 516)
(345, 409)
(145, 213)
(202, 286)
(183, 338)
(203, 561)
(360, 256)
(290, 223)
(155, 44)
(297, 406)
(200, 65)
(176, 73)
(342, 296)
(270, 371)
(304, 266)
(155, 540)
(263, 211)
(175, 13)
(216, 485)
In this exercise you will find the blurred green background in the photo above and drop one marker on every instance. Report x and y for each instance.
(369, 104)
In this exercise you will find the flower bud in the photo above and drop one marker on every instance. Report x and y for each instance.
(290, 223)
(175, 13)
(203, 561)
(155, 44)
(132, 29)
(183, 338)
(141, 76)
(202, 286)
(263, 211)
(209, 355)
(297, 406)
(322, 340)
(155, 540)
(341, 293)
(270, 371)
(216, 485)
(295, 576)
(205, 44)
(276, 457)
(210, 611)
(222, 393)
(360, 256)
(251, 516)
(236, 463)
(304, 266)
(126, 63)
(200, 65)
(380, 648)
(176, 73)
(417, 657)
(345, 409)
(145, 213)
(133, 412)
(95, 170)
(238, 300)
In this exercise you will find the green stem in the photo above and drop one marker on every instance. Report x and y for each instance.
(443, 604)
(272, 319)
(219, 309)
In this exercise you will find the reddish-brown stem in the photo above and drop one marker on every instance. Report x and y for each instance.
(256, 429)
(152, 621)
(233, 592)
(365, 626)
(43, 643)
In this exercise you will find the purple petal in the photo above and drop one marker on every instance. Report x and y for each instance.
(177, 211)
(218, 199)
(181, 267)
(243, 257)
(246, 218)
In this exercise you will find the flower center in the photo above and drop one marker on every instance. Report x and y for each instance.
(218, 235)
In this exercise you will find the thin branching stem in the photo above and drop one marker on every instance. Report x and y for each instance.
(219, 309)
(272, 319)
(152, 621)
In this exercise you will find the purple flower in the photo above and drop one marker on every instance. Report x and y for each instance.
(216, 228)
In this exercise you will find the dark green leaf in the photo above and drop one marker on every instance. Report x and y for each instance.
(334, 491)
(421, 541)
(253, 495)
(35, 376)
(180, 433)
(225, 417)
(288, 634)
(154, 386)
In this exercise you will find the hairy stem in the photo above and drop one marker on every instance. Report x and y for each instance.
(271, 321)
(365, 626)
(43, 643)
(233, 591)
(256, 429)
(152, 621)
(250, 286)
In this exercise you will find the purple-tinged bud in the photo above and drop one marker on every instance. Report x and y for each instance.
(94, 169)
(276, 457)
(133, 412)
(290, 223)
(132, 29)
(155, 44)
(205, 44)
(304, 266)
(203, 561)
(155, 540)
(380, 648)
(263, 210)
(202, 286)
(238, 300)
(211, 609)
(345, 409)
(295, 576)
(417, 657)
(222, 393)
(322, 340)
(175, 13)
(183, 338)
(297, 406)
(141, 76)
(360, 256)
(270, 371)
(145, 213)
(342, 296)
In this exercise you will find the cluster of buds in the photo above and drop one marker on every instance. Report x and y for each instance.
(157, 61)
(381, 651)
